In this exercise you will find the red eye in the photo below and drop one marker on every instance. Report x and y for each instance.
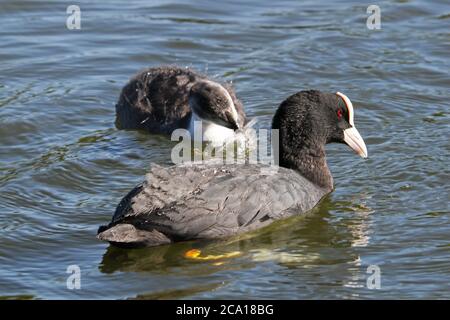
(339, 114)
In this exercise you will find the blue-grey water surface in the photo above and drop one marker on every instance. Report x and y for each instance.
(64, 166)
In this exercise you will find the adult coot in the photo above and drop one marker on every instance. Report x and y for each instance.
(204, 201)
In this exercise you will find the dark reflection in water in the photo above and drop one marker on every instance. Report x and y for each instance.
(297, 245)
(64, 166)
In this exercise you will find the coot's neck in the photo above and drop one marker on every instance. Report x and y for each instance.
(307, 156)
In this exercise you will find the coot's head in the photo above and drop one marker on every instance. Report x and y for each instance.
(210, 101)
(308, 120)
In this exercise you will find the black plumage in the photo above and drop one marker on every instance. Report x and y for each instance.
(206, 201)
(157, 100)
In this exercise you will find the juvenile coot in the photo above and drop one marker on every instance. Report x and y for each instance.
(160, 100)
(202, 201)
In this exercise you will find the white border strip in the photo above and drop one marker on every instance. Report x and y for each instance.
(349, 106)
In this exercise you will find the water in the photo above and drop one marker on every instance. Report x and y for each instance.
(64, 166)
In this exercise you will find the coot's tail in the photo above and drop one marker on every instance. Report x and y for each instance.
(128, 236)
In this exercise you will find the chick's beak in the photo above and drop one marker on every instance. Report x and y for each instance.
(232, 121)
(354, 140)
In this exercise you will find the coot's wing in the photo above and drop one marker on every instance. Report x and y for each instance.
(212, 202)
(162, 186)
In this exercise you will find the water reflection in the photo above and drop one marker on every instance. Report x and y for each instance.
(294, 243)
(360, 223)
